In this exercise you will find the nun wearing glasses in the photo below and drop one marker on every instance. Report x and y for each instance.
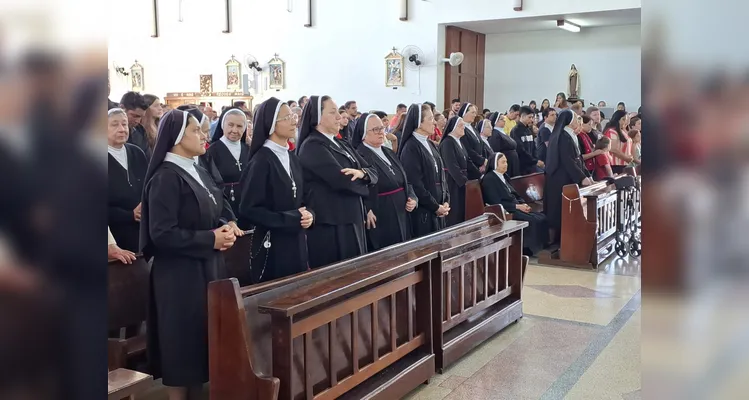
(230, 153)
(272, 197)
(392, 199)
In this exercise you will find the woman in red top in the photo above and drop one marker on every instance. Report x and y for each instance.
(621, 144)
(587, 142)
(603, 159)
(439, 125)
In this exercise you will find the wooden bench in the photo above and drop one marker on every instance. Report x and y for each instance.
(274, 339)
(127, 296)
(124, 383)
(527, 184)
(590, 218)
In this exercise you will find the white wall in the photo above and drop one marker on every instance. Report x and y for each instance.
(341, 55)
(535, 65)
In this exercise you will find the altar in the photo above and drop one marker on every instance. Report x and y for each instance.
(214, 99)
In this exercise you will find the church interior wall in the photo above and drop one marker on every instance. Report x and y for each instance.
(535, 65)
(342, 55)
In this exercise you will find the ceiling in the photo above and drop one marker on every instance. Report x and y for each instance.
(549, 22)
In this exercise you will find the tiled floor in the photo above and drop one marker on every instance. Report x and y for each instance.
(579, 339)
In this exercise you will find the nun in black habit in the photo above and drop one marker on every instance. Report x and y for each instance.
(485, 132)
(230, 153)
(472, 142)
(207, 164)
(392, 199)
(457, 165)
(127, 168)
(424, 170)
(564, 167)
(279, 244)
(496, 189)
(183, 228)
(503, 143)
(336, 182)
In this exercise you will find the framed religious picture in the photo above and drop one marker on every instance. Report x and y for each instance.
(394, 69)
(136, 77)
(233, 75)
(277, 73)
(206, 84)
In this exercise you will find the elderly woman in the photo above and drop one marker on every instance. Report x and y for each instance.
(230, 153)
(392, 199)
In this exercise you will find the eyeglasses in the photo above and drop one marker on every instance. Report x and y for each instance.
(378, 130)
(290, 117)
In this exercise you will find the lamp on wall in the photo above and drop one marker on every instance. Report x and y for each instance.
(568, 26)
(404, 10)
(517, 5)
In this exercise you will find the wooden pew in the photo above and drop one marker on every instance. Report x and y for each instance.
(127, 295)
(590, 218)
(273, 339)
(126, 384)
(477, 283)
(525, 184)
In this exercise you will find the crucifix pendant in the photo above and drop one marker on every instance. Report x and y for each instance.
(239, 166)
(293, 188)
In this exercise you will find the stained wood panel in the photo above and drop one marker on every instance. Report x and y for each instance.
(466, 81)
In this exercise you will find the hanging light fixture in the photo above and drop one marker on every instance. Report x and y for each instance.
(568, 26)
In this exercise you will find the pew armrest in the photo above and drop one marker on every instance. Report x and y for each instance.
(123, 382)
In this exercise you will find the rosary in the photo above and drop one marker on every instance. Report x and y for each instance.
(231, 190)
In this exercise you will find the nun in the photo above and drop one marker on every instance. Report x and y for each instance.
(336, 183)
(184, 231)
(127, 168)
(207, 164)
(471, 141)
(565, 167)
(502, 143)
(485, 132)
(229, 152)
(279, 244)
(392, 199)
(497, 189)
(457, 165)
(424, 170)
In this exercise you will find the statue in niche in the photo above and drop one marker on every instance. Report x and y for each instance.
(573, 88)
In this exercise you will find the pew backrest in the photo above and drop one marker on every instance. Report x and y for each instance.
(530, 187)
(127, 293)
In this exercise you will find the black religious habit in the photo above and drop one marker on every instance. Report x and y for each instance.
(387, 199)
(279, 243)
(125, 192)
(498, 191)
(338, 230)
(503, 143)
(456, 161)
(471, 144)
(565, 167)
(425, 171)
(178, 218)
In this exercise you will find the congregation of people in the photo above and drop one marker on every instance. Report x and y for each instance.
(316, 184)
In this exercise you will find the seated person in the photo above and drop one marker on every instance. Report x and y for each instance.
(603, 161)
(496, 189)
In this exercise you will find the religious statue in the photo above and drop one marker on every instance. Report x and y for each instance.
(573, 88)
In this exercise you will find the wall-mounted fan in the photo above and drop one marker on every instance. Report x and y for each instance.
(414, 57)
(455, 59)
(119, 70)
(251, 62)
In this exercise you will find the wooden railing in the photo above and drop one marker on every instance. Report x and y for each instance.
(275, 338)
(591, 217)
